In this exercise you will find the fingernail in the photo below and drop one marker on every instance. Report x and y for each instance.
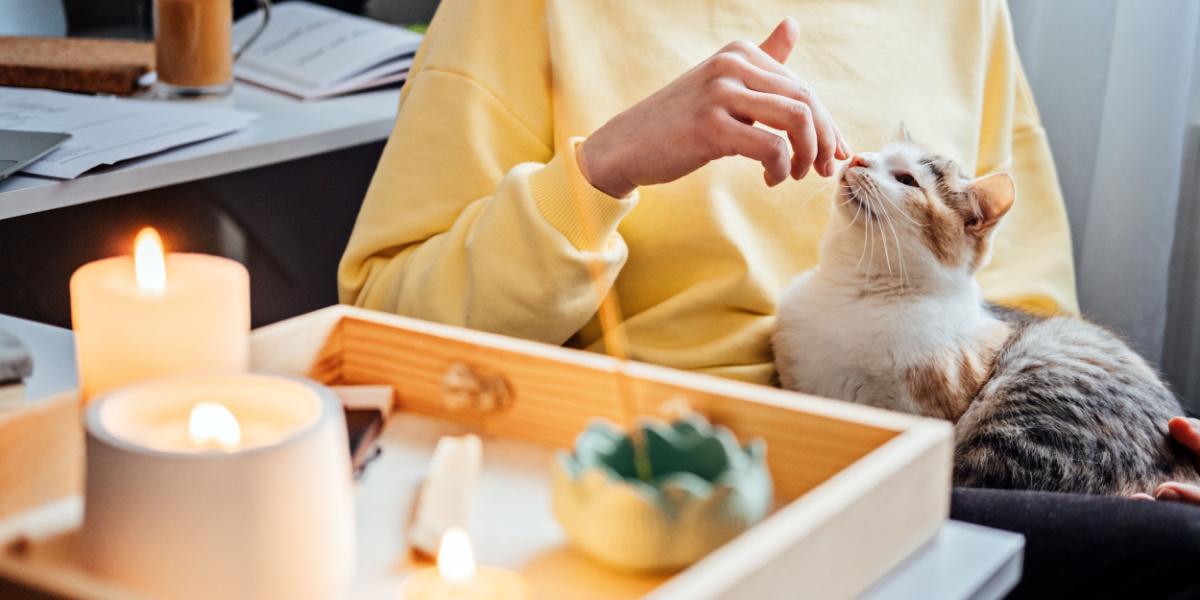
(1167, 494)
(829, 167)
(803, 172)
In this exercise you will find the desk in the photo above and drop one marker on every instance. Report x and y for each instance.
(280, 196)
(963, 561)
(286, 129)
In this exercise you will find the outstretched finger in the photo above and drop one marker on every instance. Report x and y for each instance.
(825, 140)
(782, 40)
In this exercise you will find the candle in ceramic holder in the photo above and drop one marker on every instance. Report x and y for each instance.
(458, 578)
(220, 486)
(144, 316)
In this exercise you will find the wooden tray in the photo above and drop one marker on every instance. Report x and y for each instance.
(858, 489)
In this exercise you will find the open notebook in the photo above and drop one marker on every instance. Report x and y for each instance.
(311, 51)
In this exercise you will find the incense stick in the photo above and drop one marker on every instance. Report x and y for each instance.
(616, 343)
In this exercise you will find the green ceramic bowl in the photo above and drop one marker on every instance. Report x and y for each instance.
(705, 490)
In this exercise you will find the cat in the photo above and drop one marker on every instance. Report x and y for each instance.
(892, 317)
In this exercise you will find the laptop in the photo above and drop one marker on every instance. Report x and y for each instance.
(19, 148)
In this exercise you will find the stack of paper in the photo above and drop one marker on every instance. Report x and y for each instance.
(312, 51)
(107, 130)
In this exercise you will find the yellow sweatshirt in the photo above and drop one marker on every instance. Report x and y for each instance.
(472, 218)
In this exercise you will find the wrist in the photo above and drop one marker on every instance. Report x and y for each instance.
(598, 167)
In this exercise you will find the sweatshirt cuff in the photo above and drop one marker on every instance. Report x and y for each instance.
(586, 216)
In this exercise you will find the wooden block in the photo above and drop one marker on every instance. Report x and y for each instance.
(75, 64)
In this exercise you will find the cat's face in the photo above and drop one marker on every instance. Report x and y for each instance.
(904, 212)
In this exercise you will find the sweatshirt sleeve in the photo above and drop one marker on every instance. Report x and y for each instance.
(1032, 265)
(474, 217)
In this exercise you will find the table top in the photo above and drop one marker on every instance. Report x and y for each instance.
(286, 129)
(963, 561)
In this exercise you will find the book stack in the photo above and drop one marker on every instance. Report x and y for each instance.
(15, 365)
(310, 51)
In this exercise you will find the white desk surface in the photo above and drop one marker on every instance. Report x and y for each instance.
(963, 562)
(286, 129)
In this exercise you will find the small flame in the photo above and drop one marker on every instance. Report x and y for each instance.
(210, 422)
(149, 264)
(456, 560)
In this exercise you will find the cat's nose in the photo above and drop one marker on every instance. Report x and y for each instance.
(859, 160)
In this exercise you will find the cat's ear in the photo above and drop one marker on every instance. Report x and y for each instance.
(902, 134)
(993, 195)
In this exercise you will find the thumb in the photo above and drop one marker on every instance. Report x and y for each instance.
(781, 41)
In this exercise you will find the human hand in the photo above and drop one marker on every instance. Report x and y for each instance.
(709, 112)
(1187, 433)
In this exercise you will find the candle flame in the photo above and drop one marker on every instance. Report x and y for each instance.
(456, 560)
(148, 261)
(211, 422)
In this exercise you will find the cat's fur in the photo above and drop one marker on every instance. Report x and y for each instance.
(892, 317)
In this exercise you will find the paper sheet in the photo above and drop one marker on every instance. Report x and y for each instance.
(107, 130)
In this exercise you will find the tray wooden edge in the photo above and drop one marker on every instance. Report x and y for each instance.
(901, 496)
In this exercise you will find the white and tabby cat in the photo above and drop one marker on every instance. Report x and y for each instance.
(892, 317)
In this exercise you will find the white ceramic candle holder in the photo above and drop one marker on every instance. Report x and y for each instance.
(270, 517)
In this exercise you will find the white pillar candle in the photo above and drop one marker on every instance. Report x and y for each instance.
(220, 486)
(143, 316)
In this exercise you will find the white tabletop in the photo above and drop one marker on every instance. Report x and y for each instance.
(286, 129)
(962, 562)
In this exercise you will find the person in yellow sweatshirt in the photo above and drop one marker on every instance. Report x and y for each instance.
(540, 143)
(526, 125)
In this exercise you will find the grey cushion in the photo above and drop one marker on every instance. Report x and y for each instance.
(15, 361)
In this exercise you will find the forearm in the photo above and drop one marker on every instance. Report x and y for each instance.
(518, 262)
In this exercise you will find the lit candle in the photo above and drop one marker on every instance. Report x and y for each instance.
(147, 315)
(457, 577)
(220, 486)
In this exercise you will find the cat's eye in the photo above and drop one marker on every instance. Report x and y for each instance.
(906, 179)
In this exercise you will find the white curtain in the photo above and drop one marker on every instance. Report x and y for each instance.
(1118, 86)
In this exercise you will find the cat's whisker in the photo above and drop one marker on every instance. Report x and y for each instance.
(905, 215)
(857, 210)
(899, 255)
(896, 237)
(887, 257)
(871, 262)
(863, 255)
(872, 193)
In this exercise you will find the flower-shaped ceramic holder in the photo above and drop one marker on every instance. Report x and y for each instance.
(705, 490)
